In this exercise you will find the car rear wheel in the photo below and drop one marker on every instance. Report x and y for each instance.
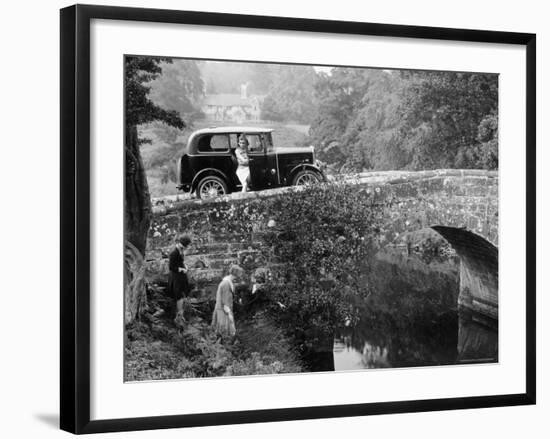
(211, 187)
(306, 177)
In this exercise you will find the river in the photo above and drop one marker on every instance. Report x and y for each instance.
(411, 319)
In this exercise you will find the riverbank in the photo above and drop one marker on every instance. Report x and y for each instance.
(158, 349)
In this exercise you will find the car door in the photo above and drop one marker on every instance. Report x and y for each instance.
(262, 162)
(271, 164)
(257, 162)
(214, 152)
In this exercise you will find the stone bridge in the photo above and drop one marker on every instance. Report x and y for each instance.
(461, 205)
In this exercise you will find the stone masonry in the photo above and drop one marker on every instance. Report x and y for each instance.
(228, 230)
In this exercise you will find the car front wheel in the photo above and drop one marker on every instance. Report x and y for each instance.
(306, 178)
(211, 187)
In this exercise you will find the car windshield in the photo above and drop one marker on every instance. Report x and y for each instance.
(267, 140)
(256, 142)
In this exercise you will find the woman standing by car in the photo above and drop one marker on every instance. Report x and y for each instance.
(243, 171)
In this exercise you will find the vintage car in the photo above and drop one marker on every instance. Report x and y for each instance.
(208, 165)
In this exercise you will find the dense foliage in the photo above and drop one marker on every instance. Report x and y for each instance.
(378, 119)
(140, 72)
(179, 88)
(290, 94)
(322, 247)
(446, 120)
(356, 119)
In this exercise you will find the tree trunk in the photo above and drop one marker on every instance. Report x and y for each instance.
(137, 209)
(137, 218)
(135, 294)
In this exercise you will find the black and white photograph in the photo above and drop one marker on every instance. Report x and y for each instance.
(295, 218)
(275, 219)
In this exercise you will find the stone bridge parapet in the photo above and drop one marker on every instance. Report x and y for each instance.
(452, 197)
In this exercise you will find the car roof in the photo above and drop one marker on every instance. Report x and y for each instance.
(233, 130)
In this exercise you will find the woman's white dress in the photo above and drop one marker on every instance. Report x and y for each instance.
(243, 171)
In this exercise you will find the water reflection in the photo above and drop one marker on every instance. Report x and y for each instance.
(346, 357)
(411, 319)
(477, 339)
(381, 342)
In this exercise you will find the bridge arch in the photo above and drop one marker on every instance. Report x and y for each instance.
(462, 207)
(478, 269)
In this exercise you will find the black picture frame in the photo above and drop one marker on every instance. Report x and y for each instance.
(75, 217)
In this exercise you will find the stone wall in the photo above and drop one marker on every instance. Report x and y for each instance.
(231, 229)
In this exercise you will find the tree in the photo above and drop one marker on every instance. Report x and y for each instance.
(487, 135)
(403, 119)
(371, 136)
(355, 109)
(441, 114)
(484, 154)
(291, 93)
(139, 72)
(270, 110)
(179, 88)
(262, 77)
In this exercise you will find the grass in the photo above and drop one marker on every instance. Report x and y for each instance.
(156, 349)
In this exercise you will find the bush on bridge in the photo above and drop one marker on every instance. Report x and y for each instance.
(323, 239)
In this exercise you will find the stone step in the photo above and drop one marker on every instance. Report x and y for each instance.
(226, 259)
(158, 270)
(208, 248)
(223, 264)
(224, 246)
(225, 255)
(217, 236)
(217, 269)
(207, 276)
(160, 265)
(209, 257)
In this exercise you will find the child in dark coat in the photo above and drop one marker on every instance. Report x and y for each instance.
(178, 284)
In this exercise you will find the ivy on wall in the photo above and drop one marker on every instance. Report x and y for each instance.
(322, 239)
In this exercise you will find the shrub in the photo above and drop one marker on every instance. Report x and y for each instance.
(323, 238)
